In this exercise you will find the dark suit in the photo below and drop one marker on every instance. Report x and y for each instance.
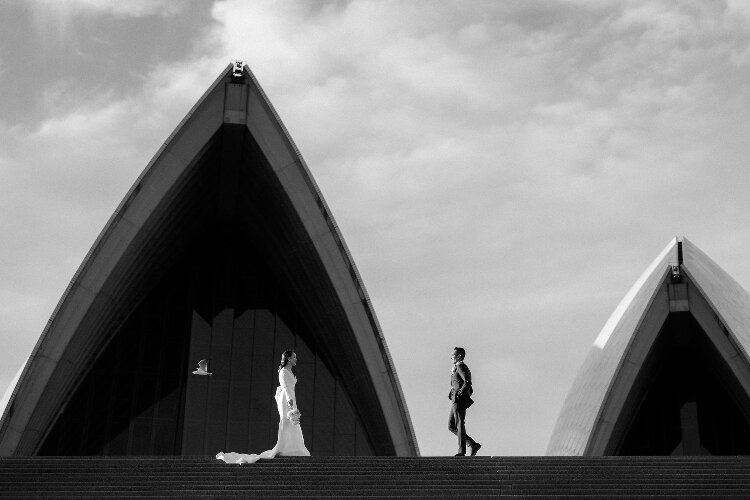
(460, 396)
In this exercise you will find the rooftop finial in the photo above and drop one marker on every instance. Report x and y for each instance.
(238, 69)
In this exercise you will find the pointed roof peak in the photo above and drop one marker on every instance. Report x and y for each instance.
(681, 279)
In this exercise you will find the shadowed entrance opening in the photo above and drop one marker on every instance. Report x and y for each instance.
(687, 403)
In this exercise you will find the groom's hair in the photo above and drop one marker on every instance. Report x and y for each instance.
(460, 350)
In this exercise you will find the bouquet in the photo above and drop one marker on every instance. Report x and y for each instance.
(294, 416)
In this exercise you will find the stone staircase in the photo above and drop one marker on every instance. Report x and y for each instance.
(343, 477)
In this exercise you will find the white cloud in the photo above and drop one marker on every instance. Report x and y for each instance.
(53, 18)
(129, 8)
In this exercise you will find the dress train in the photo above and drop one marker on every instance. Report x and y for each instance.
(290, 441)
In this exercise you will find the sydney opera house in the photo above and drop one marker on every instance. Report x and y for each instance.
(224, 249)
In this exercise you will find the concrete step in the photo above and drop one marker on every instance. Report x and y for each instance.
(372, 477)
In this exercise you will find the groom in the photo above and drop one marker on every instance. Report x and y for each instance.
(460, 396)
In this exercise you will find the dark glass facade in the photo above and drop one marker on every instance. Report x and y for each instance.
(222, 301)
(687, 405)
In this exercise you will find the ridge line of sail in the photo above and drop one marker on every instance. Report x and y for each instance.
(622, 306)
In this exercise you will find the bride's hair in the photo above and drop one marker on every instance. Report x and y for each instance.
(285, 359)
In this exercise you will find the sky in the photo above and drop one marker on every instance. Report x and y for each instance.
(502, 171)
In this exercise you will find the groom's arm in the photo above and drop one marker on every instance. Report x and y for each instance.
(465, 373)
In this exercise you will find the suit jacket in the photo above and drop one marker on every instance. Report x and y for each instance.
(461, 389)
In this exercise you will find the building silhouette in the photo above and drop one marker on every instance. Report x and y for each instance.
(224, 249)
(669, 372)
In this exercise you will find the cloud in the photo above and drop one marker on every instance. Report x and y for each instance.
(53, 19)
(131, 8)
(548, 105)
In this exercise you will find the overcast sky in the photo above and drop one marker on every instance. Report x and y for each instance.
(502, 172)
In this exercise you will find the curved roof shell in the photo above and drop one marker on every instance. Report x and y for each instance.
(233, 114)
(590, 422)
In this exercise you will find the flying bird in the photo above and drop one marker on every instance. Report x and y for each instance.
(202, 368)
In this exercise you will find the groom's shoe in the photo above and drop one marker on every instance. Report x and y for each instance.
(475, 449)
(460, 455)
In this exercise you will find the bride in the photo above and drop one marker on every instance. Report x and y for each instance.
(290, 441)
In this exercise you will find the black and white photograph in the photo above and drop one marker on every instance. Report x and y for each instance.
(384, 248)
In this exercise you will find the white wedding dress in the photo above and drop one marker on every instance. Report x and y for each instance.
(290, 441)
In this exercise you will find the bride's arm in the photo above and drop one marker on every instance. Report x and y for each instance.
(286, 380)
